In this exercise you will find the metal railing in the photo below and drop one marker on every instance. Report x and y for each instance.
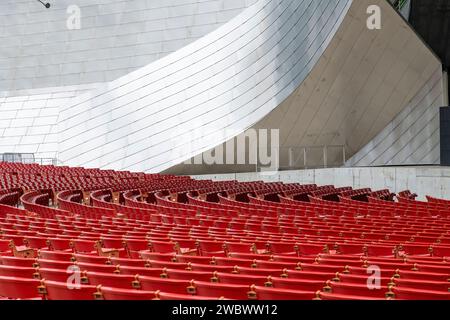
(27, 158)
(306, 157)
(312, 157)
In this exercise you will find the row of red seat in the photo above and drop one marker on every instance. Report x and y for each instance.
(204, 239)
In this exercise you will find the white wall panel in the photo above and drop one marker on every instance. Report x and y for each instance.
(362, 81)
(412, 137)
(340, 77)
(28, 119)
(43, 64)
(257, 60)
(116, 37)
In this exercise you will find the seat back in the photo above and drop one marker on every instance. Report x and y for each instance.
(218, 290)
(108, 293)
(122, 281)
(163, 285)
(264, 293)
(19, 288)
(53, 290)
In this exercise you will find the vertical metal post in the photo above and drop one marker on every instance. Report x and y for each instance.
(304, 157)
(324, 156)
(256, 155)
(291, 158)
(445, 86)
(344, 155)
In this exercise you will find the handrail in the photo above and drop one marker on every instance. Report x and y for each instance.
(27, 158)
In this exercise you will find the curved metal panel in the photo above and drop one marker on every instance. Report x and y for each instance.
(412, 137)
(362, 81)
(38, 52)
(44, 48)
(202, 94)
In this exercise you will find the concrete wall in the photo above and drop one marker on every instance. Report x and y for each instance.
(116, 37)
(424, 181)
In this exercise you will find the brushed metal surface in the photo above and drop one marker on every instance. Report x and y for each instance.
(227, 80)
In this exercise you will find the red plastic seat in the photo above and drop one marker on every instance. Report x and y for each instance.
(86, 258)
(278, 265)
(418, 294)
(170, 265)
(251, 256)
(443, 286)
(17, 272)
(15, 261)
(55, 255)
(142, 271)
(60, 275)
(230, 278)
(441, 251)
(259, 271)
(193, 259)
(108, 293)
(128, 262)
(238, 247)
(84, 246)
(19, 288)
(36, 242)
(333, 268)
(164, 285)
(364, 271)
(93, 267)
(381, 251)
(163, 246)
(114, 244)
(210, 268)
(306, 249)
(211, 248)
(111, 280)
(356, 289)
(335, 296)
(350, 248)
(53, 290)
(422, 267)
(416, 250)
(295, 284)
(361, 279)
(4, 247)
(280, 248)
(156, 256)
(134, 246)
(308, 275)
(60, 244)
(218, 290)
(424, 276)
(184, 247)
(174, 296)
(223, 261)
(264, 293)
(186, 275)
(54, 264)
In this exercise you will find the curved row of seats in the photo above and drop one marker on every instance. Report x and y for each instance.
(136, 236)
